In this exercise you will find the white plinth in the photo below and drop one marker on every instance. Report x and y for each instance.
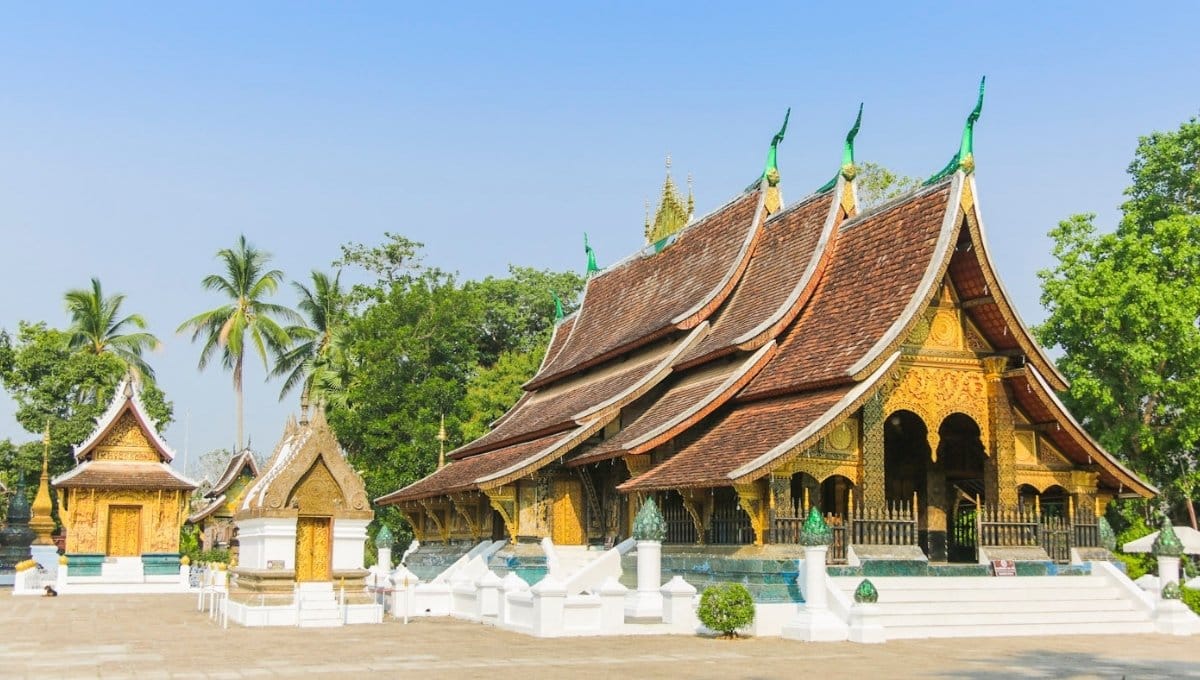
(1174, 618)
(814, 622)
(47, 556)
(865, 626)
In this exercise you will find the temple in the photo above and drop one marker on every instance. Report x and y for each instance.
(214, 519)
(301, 527)
(123, 504)
(771, 358)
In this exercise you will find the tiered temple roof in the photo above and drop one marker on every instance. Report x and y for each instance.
(751, 335)
(242, 463)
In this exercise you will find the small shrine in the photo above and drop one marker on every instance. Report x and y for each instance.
(302, 528)
(123, 504)
(215, 519)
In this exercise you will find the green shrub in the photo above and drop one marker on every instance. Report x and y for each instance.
(1137, 565)
(214, 555)
(1191, 598)
(726, 608)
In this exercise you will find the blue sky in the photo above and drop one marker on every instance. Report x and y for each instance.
(136, 140)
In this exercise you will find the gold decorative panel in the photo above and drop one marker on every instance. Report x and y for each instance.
(1026, 448)
(843, 438)
(567, 513)
(314, 548)
(317, 493)
(933, 394)
(126, 441)
(87, 518)
(124, 531)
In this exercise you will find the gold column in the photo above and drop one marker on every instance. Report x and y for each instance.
(1002, 464)
(872, 478)
(41, 522)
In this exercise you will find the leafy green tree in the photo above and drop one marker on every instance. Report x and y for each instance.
(1166, 176)
(518, 310)
(494, 389)
(1124, 308)
(49, 381)
(315, 361)
(247, 283)
(98, 327)
(876, 185)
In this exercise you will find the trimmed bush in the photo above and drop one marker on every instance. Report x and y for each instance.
(725, 608)
(1191, 598)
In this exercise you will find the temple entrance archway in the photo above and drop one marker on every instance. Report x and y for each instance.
(960, 467)
(124, 531)
(906, 465)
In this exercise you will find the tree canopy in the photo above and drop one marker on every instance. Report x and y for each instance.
(1124, 307)
(98, 327)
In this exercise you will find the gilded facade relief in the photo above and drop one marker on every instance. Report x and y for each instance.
(90, 520)
(126, 441)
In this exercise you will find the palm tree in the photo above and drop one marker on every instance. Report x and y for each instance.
(98, 327)
(315, 359)
(247, 315)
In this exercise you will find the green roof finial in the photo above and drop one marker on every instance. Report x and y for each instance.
(592, 268)
(1167, 544)
(649, 524)
(772, 161)
(558, 309)
(965, 158)
(848, 171)
(384, 539)
(815, 531)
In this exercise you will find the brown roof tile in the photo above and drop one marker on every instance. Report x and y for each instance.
(460, 475)
(742, 434)
(781, 257)
(122, 475)
(540, 414)
(644, 297)
(878, 263)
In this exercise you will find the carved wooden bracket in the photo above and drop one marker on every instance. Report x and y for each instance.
(442, 523)
(413, 515)
(467, 507)
(503, 500)
(750, 497)
(698, 510)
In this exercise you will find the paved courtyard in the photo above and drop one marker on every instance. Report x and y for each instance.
(160, 636)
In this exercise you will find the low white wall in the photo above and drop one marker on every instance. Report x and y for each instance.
(269, 539)
(349, 535)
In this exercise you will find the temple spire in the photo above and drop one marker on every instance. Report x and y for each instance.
(441, 437)
(965, 158)
(673, 211)
(592, 267)
(847, 170)
(42, 523)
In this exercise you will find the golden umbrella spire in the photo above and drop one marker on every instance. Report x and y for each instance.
(441, 437)
(41, 521)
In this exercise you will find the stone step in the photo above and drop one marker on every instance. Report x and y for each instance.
(989, 607)
(968, 618)
(1028, 629)
(975, 583)
(887, 596)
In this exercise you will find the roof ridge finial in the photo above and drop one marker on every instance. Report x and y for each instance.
(847, 170)
(558, 307)
(774, 198)
(592, 267)
(965, 158)
(691, 207)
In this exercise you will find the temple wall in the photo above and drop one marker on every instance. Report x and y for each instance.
(161, 515)
(264, 540)
(349, 536)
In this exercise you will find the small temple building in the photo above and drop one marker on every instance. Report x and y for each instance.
(768, 358)
(302, 529)
(214, 520)
(122, 506)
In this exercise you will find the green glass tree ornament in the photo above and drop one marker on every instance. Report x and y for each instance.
(649, 524)
(815, 531)
(1167, 544)
(866, 593)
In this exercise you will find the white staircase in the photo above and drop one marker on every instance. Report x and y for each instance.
(573, 558)
(317, 606)
(980, 606)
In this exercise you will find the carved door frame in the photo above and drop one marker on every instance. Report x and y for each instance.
(137, 537)
(313, 532)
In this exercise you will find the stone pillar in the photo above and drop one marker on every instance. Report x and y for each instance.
(814, 622)
(612, 606)
(679, 604)
(61, 582)
(489, 594)
(1167, 548)
(649, 530)
(549, 602)
(874, 492)
(383, 543)
(1001, 486)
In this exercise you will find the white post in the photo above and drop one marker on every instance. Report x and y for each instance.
(814, 622)
(679, 610)
(647, 602)
(612, 606)
(1168, 571)
(61, 580)
(549, 600)
(814, 577)
(385, 559)
(488, 586)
